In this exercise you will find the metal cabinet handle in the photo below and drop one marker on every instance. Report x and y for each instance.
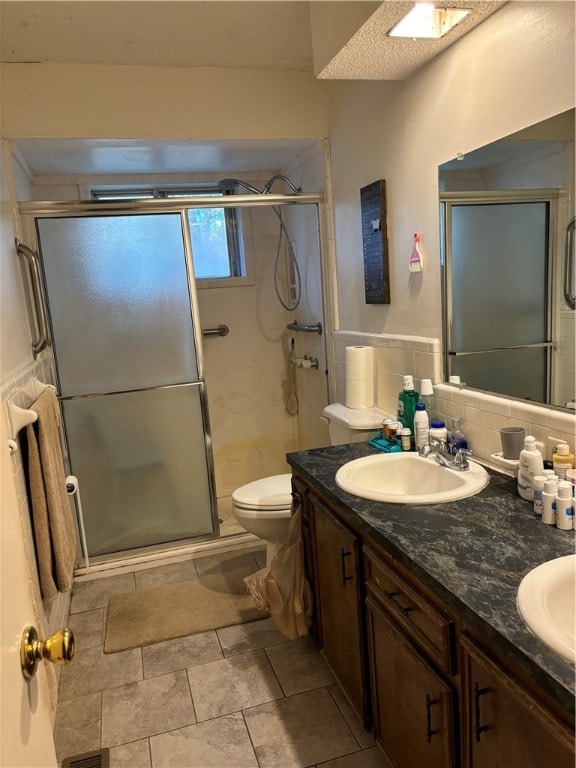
(31, 259)
(404, 610)
(478, 692)
(429, 704)
(343, 556)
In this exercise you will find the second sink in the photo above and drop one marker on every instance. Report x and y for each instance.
(406, 478)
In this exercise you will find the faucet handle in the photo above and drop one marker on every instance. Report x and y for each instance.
(460, 459)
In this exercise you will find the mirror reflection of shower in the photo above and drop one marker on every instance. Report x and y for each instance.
(230, 185)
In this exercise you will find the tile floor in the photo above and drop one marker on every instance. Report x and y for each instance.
(238, 697)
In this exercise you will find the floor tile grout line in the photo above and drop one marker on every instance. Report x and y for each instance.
(250, 737)
(346, 719)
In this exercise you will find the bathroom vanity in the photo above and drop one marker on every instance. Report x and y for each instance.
(415, 610)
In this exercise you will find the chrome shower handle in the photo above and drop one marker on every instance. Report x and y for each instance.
(569, 297)
(33, 262)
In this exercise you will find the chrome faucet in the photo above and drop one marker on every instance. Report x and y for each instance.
(459, 462)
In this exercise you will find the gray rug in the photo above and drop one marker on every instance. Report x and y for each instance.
(176, 610)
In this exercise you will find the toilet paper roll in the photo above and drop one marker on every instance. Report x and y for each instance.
(359, 377)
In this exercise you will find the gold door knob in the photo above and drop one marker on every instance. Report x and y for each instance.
(58, 648)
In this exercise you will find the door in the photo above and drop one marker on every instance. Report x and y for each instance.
(26, 725)
(497, 294)
(413, 707)
(338, 590)
(505, 726)
(122, 311)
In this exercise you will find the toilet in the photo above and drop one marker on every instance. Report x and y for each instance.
(263, 507)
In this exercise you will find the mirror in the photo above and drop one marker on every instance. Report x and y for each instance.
(507, 239)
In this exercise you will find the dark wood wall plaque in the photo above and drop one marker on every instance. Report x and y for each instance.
(375, 243)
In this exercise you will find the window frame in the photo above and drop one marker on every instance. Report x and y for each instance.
(239, 263)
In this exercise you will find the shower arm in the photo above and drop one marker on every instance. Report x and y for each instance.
(278, 177)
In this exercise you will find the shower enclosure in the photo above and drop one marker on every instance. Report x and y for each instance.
(125, 333)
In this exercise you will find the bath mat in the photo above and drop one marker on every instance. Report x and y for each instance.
(175, 610)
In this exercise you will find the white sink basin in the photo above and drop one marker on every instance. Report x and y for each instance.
(406, 478)
(546, 603)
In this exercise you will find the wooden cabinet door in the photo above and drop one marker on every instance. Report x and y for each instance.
(413, 707)
(505, 727)
(338, 589)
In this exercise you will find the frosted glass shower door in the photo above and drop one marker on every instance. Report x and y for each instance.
(141, 461)
(497, 259)
(119, 302)
(121, 306)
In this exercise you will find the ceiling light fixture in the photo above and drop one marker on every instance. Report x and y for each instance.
(427, 21)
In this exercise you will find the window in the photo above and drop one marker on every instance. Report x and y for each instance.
(214, 232)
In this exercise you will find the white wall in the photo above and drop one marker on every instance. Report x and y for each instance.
(515, 69)
(66, 100)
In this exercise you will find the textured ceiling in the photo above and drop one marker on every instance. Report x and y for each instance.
(371, 55)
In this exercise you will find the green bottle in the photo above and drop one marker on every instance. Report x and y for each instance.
(407, 400)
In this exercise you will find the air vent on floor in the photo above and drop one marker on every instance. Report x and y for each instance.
(98, 759)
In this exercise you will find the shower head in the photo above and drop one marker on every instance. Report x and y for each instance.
(268, 185)
(231, 184)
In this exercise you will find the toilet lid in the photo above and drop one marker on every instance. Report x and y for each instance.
(268, 493)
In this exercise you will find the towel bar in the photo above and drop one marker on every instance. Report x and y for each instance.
(18, 417)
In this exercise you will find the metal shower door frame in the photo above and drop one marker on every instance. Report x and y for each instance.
(75, 210)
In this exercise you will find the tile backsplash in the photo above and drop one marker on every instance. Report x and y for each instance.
(482, 413)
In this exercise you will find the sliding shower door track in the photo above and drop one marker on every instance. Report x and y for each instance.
(105, 565)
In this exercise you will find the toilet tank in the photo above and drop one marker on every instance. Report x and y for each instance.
(353, 425)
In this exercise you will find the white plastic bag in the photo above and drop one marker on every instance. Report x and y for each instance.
(282, 587)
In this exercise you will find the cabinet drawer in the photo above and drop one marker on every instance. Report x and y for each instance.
(431, 629)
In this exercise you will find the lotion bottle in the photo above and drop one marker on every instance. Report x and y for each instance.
(539, 481)
(421, 426)
(549, 502)
(562, 460)
(531, 464)
(564, 511)
(427, 397)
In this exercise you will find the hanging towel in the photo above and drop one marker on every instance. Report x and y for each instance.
(54, 533)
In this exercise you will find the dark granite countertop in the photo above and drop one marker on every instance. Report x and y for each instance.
(472, 553)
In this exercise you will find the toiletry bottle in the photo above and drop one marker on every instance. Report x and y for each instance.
(456, 438)
(531, 464)
(549, 502)
(421, 426)
(564, 511)
(539, 481)
(562, 460)
(427, 397)
(405, 438)
(438, 433)
(407, 400)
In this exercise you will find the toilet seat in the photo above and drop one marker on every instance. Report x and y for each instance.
(269, 493)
